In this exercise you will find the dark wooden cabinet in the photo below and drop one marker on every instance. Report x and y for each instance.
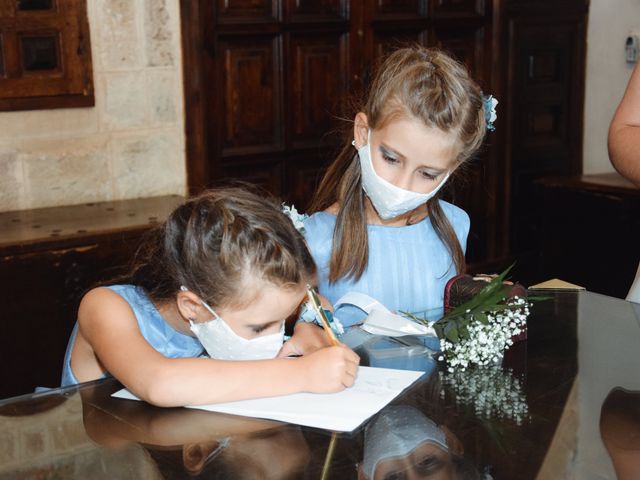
(544, 52)
(48, 259)
(592, 231)
(41, 291)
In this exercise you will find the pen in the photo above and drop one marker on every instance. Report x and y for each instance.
(315, 303)
(317, 306)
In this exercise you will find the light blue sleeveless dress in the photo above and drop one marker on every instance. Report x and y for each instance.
(160, 335)
(408, 266)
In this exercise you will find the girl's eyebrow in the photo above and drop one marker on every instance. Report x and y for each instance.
(264, 325)
(391, 152)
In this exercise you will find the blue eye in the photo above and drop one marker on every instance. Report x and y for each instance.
(386, 156)
(428, 175)
(389, 159)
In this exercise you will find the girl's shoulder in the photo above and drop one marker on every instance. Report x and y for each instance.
(456, 215)
(118, 296)
(129, 292)
(318, 232)
(102, 306)
(320, 222)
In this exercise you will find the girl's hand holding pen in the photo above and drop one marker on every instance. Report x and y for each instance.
(306, 339)
(329, 370)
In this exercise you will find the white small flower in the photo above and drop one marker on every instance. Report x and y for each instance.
(336, 325)
(486, 343)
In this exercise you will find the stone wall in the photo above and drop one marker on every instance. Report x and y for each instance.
(131, 144)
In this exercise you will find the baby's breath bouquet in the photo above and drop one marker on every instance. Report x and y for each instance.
(477, 332)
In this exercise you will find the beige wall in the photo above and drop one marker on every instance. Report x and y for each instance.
(131, 144)
(610, 21)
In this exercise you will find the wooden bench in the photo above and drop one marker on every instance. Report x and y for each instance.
(48, 258)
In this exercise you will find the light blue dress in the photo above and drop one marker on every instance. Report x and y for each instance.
(408, 266)
(160, 335)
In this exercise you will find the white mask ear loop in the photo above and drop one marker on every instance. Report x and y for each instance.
(211, 310)
(203, 303)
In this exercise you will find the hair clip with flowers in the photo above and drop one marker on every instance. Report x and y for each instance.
(489, 104)
(296, 218)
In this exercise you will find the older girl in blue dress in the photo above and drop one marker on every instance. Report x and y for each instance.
(221, 274)
(379, 227)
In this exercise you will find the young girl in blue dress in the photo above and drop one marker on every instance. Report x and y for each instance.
(379, 227)
(223, 272)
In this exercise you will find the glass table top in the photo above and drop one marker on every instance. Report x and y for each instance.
(564, 404)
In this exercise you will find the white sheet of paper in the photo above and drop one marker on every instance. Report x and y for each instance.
(343, 411)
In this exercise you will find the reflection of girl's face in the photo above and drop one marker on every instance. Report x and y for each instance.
(425, 461)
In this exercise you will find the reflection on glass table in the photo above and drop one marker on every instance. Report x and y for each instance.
(408, 352)
(620, 431)
(544, 417)
(401, 443)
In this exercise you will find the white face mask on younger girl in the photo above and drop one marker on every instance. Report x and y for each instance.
(222, 343)
(388, 200)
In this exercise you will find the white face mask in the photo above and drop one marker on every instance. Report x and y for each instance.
(389, 201)
(396, 432)
(222, 343)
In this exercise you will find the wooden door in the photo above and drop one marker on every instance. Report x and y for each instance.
(545, 97)
(275, 76)
(268, 84)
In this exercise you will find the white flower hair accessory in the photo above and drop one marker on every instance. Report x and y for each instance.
(296, 218)
(490, 116)
(308, 314)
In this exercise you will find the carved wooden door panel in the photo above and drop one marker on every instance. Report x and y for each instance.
(277, 77)
(546, 60)
(277, 73)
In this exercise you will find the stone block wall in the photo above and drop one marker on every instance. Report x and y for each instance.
(131, 144)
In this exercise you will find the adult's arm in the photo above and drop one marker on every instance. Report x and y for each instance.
(624, 132)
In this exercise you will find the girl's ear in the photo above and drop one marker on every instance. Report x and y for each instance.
(195, 455)
(188, 304)
(360, 129)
